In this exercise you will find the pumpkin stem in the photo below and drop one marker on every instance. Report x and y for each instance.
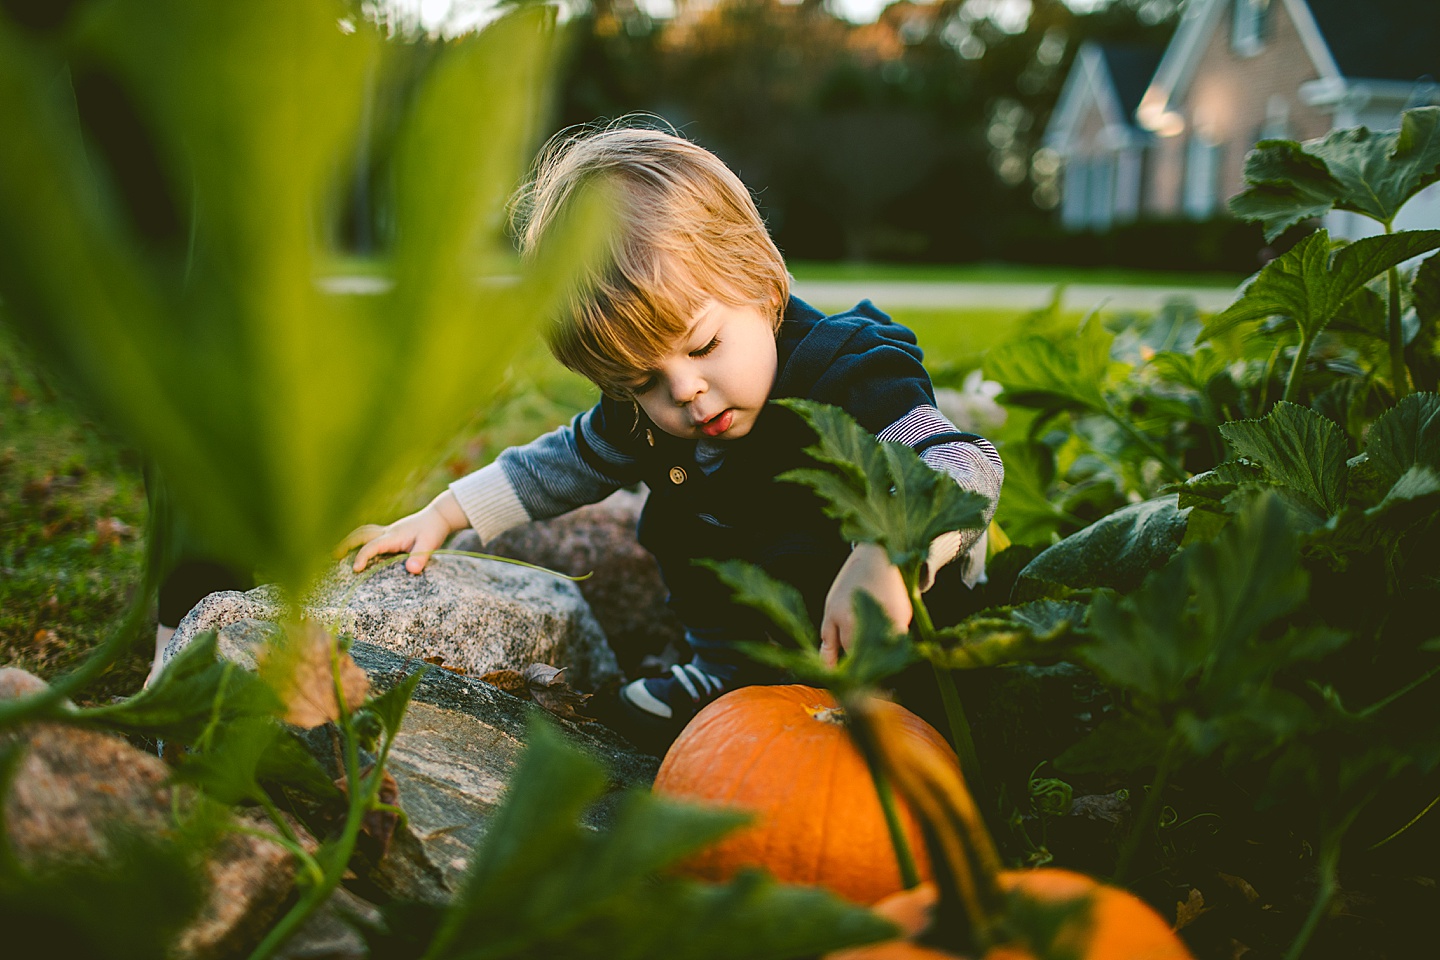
(905, 858)
(962, 855)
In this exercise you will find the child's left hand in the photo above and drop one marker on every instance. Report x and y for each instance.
(868, 569)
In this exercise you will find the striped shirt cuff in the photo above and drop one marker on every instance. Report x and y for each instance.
(489, 502)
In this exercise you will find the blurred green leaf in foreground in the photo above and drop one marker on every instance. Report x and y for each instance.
(171, 174)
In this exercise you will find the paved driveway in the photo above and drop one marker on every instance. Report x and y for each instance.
(1020, 296)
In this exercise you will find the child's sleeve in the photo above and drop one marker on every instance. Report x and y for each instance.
(973, 463)
(566, 468)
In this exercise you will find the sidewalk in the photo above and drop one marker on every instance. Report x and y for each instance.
(836, 295)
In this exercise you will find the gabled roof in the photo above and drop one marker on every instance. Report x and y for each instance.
(1113, 77)
(1348, 41)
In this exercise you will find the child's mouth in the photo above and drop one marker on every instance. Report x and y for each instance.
(718, 424)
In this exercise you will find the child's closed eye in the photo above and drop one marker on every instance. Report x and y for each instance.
(705, 350)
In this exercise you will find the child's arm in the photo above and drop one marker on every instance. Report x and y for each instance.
(973, 464)
(571, 466)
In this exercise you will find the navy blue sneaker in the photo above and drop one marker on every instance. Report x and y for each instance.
(669, 701)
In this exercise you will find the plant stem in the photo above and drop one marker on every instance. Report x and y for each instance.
(1149, 810)
(1399, 374)
(954, 711)
(904, 857)
(1329, 862)
(1297, 370)
(1153, 448)
(362, 794)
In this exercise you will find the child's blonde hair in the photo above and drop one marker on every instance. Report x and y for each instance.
(687, 231)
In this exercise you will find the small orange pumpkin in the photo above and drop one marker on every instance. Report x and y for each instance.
(1097, 922)
(783, 754)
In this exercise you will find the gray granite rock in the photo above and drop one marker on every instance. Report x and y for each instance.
(624, 588)
(477, 615)
(74, 786)
(457, 750)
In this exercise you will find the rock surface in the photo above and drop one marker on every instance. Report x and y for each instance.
(457, 750)
(73, 786)
(477, 615)
(624, 590)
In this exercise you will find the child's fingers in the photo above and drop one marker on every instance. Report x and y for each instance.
(830, 644)
(376, 546)
(361, 535)
(420, 552)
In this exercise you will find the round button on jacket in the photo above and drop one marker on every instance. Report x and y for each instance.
(677, 475)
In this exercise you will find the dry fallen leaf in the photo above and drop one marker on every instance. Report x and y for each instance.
(298, 667)
(1242, 886)
(111, 530)
(541, 683)
(1190, 910)
(439, 661)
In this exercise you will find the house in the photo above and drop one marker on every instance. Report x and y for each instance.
(1237, 71)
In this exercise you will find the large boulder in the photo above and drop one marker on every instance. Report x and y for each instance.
(473, 615)
(624, 588)
(74, 787)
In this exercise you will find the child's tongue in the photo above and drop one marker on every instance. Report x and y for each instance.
(718, 425)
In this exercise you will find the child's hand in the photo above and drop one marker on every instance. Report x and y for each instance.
(868, 569)
(417, 534)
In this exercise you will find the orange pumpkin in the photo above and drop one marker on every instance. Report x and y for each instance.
(1114, 925)
(783, 754)
(1097, 922)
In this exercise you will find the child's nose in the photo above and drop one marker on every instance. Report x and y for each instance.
(686, 387)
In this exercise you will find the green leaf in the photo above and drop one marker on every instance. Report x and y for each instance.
(877, 651)
(220, 356)
(1379, 172)
(1405, 436)
(1425, 289)
(1194, 370)
(1309, 284)
(1116, 551)
(197, 691)
(1411, 502)
(1373, 174)
(1037, 372)
(882, 492)
(391, 705)
(779, 601)
(1284, 185)
(1121, 744)
(228, 769)
(1300, 451)
(130, 905)
(1032, 631)
(543, 885)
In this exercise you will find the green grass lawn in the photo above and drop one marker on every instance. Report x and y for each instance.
(1003, 273)
(72, 508)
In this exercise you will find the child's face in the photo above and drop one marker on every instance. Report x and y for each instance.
(715, 381)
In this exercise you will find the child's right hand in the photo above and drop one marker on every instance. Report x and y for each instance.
(418, 534)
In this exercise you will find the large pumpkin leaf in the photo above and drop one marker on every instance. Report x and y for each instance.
(1373, 174)
(1309, 284)
(279, 414)
(1284, 185)
(1116, 551)
(1405, 436)
(1038, 372)
(543, 885)
(1195, 644)
(882, 492)
(1300, 451)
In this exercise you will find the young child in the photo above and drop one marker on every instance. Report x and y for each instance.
(689, 329)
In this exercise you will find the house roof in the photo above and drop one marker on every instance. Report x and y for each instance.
(1131, 69)
(1381, 39)
(1112, 77)
(1346, 40)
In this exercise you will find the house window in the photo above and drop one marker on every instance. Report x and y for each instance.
(1202, 173)
(1074, 205)
(1277, 118)
(1248, 26)
(1102, 193)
